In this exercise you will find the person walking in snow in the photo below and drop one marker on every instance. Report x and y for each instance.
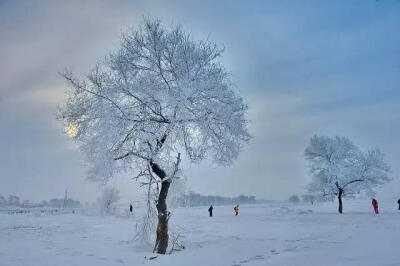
(375, 205)
(236, 208)
(210, 210)
(130, 209)
(399, 203)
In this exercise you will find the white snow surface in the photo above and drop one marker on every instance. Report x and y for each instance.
(270, 234)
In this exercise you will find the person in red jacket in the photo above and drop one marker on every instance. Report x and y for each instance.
(375, 205)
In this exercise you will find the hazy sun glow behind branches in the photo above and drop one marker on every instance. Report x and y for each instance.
(71, 130)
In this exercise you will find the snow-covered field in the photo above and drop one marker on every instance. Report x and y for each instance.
(271, 234)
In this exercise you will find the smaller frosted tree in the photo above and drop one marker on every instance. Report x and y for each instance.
(3, 201)
(339, 168)
(294, 199)
(44, 203)
(13, 200)
(308, 198)
(108, 200)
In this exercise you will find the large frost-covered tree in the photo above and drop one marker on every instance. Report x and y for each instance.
(339, 168)
(160, 95)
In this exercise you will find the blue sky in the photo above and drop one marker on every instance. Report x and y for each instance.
(304, 67)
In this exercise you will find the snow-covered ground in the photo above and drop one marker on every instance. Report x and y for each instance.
(271, 234)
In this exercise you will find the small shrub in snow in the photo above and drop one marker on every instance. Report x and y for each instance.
(108, 200)
(308, 198)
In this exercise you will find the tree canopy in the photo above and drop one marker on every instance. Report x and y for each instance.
(160, 93)
(336, 166)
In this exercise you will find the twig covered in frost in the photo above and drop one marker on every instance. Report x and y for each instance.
(176, 244)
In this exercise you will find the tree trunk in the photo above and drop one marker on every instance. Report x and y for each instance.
(163, 217)
(340, 201)
(163, 214)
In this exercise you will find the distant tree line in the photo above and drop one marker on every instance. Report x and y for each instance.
(306, 198)
(194, 199)
(14, 201)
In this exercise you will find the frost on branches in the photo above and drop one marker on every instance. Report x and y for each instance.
(160, 95)
(339, 168)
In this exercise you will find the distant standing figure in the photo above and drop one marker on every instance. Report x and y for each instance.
(236, 208)
(210, 210)
(399, 203)
(375, 205)
(131, 208)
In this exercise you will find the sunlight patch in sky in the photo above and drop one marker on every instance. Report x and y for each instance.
(71, 130)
